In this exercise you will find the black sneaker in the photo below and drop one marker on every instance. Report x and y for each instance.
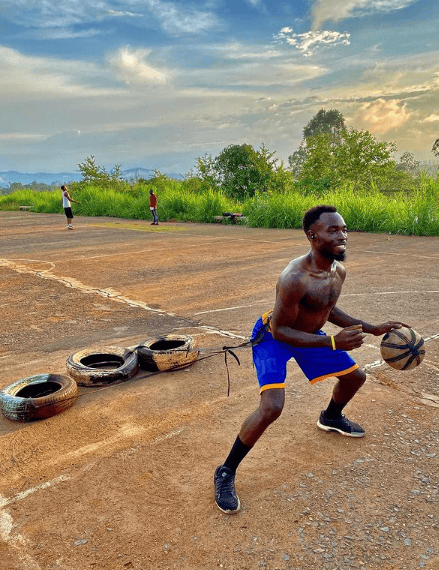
(341, 424)
(225, 494)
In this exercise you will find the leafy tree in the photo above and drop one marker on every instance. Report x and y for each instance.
(298, 158)
(357, 158)
(407, 163)
(91, 172)
(325, 123)
(240, 170)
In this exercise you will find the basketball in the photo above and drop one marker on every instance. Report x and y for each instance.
(402, 348)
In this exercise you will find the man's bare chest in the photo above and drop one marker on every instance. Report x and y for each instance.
(322, 294)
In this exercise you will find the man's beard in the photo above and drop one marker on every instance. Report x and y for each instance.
(333, 256)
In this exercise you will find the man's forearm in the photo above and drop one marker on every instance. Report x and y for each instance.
(343, 320)
(295, 337)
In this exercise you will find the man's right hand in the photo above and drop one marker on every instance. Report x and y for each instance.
(349, 338)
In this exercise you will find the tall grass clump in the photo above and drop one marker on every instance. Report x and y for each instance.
(277, 210)
(368, 210)
(43, 202)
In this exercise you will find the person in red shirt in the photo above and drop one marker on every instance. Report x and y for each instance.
(153, 207)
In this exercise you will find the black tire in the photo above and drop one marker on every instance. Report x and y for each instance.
(168, 352)
(110, 365)
(38, 397)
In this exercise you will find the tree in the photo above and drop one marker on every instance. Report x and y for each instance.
(240, 170)
(91, 172)
(407, 163)
(357, 158)
(325, 122)
(298, 158)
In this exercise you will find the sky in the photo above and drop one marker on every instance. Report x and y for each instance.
(158, 83)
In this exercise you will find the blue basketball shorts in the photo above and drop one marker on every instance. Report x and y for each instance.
(270, 357)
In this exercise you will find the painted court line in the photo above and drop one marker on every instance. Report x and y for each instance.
(8, 531)
(373, 293)
(75, 284)
(20, 496)
(232, 308)
(403, 254)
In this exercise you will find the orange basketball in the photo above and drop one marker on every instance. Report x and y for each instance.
(402, 348)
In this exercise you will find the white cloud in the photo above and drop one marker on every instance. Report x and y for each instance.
(336, 10)
(131, 67)
(64, 33)
(26, 76)
(176, 20)
(308, 42)
(173, 18)
(122, 14)
(431, 118)
(381, 116)
(238, 50)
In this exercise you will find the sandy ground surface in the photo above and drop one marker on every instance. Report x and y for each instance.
(124, 478)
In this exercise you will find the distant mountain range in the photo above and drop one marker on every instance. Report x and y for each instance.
(58, 178)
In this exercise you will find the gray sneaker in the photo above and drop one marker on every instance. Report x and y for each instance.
(341, 424)
(226, 498)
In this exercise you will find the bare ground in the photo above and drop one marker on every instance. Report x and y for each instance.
(124, 479)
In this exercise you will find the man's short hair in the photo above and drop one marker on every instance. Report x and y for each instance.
(313, 214)
(63, 187)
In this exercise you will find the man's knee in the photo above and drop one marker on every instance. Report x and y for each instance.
(272, 404)
(354, 379)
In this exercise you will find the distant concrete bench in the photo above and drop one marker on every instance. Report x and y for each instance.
(25, 207)
(234, 218)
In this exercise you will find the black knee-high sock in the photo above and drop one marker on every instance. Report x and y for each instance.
(333, 411)
(236, 455)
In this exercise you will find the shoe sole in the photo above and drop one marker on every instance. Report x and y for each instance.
(229, 512)
(346, 434)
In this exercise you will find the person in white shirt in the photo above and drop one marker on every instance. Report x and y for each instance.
(66, 199)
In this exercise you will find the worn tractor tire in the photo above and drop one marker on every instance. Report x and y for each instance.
(168, 352)
(110, 365)
(38, 397)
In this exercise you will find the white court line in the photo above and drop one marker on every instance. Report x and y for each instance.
(373, 293)
(20, 496)
(75, 284)
(232, 308)
(393, 253)
(7, 526)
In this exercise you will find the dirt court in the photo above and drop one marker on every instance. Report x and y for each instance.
(124, 478)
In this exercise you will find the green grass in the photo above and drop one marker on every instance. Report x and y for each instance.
(366, 210)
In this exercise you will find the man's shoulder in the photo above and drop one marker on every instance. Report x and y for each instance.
(341, 269)
(295, 273)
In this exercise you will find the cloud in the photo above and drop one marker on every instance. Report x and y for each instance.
(131, 67)
(308, 42)
(336, 10)
(431, 118)
(24, 77)
(122, 14)
(381, 116)
(174, 19)
(64, 33)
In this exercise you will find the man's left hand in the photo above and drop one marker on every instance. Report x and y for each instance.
(387, 327)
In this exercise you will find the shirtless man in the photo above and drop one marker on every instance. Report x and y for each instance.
(306, 295)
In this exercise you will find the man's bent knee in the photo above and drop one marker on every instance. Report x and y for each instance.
(272, 404)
